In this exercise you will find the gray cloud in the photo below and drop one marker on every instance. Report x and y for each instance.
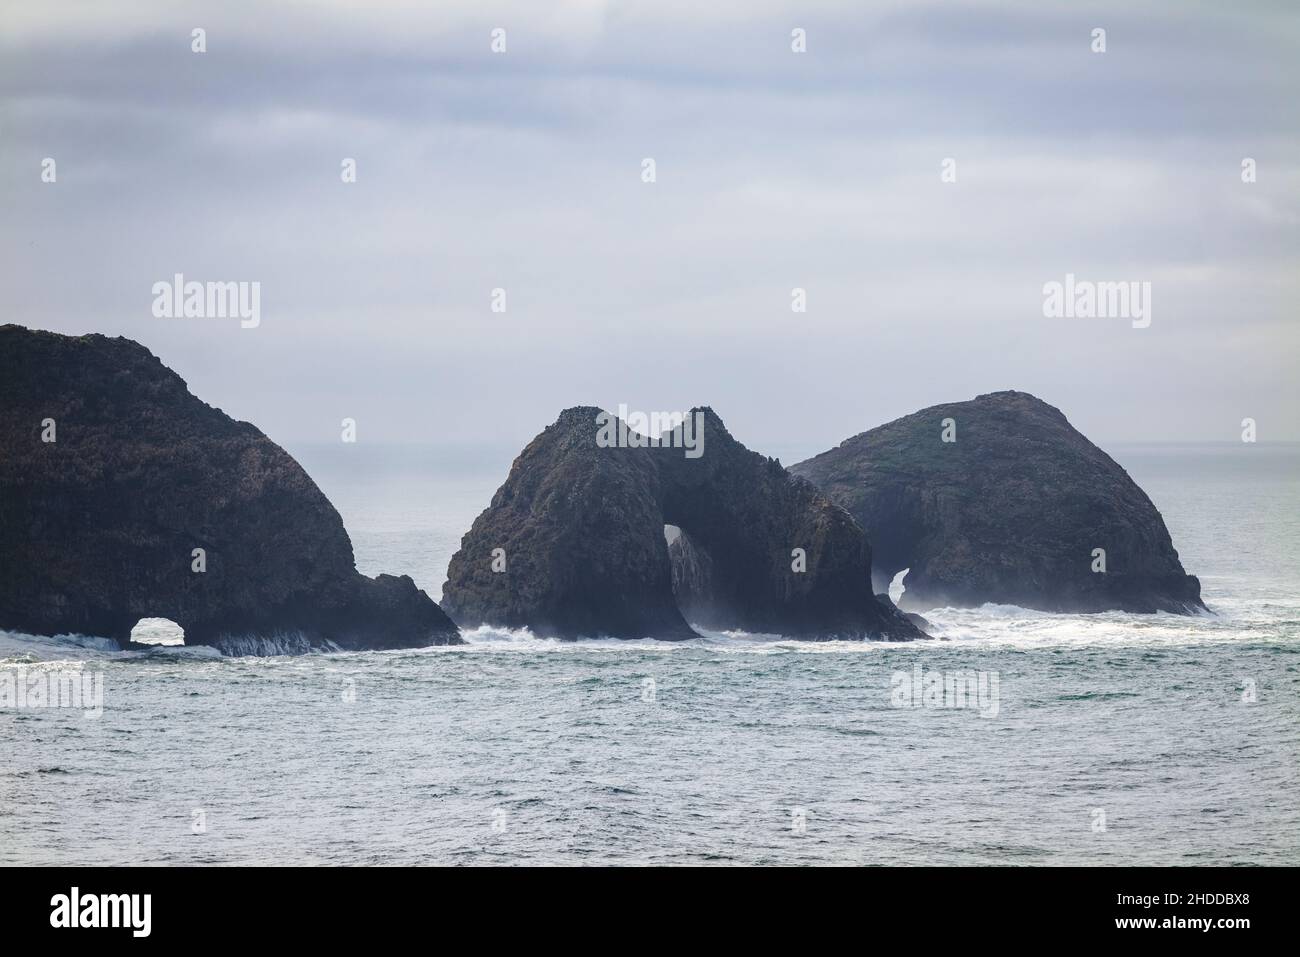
(775, 171)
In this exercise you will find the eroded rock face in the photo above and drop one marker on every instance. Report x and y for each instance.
(580, 528)
(98, 528)
(692, 574)
(1010, 512)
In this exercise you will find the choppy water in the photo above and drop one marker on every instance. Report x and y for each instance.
(742, 750)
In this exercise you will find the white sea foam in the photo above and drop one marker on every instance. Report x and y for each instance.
(1010, 625)
(491, 638)
(21, 648)
(990, 624)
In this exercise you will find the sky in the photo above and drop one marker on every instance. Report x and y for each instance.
(774, 170)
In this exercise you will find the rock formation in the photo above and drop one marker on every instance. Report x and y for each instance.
(99, 527)
(573, 544)
(1010, 512)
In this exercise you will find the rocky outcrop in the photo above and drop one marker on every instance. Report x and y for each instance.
(99, 527)
(573, 544)
(1010, 512)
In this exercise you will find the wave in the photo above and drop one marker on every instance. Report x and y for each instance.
(989, 624)
(19, 648)
(1255, 619)
(267, 646)
(1011, 625)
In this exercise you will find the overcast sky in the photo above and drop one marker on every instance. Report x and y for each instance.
(774, 169)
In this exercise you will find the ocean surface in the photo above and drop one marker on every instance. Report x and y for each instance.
(1105, 739)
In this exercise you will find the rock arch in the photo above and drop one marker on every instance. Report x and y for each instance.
(582, 526)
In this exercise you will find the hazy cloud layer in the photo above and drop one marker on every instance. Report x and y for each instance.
(775, 170)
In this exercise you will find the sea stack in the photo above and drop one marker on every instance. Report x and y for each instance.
(573, 544)
(122, 496)
(1001, 500)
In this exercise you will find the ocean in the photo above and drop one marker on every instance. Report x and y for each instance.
(1103, 739)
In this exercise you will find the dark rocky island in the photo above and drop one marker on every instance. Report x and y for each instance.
(577, 535)
(1010, 512)
(98, 528)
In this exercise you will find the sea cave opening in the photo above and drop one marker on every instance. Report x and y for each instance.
(157, 631)
(896, 587)
(692, 576)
